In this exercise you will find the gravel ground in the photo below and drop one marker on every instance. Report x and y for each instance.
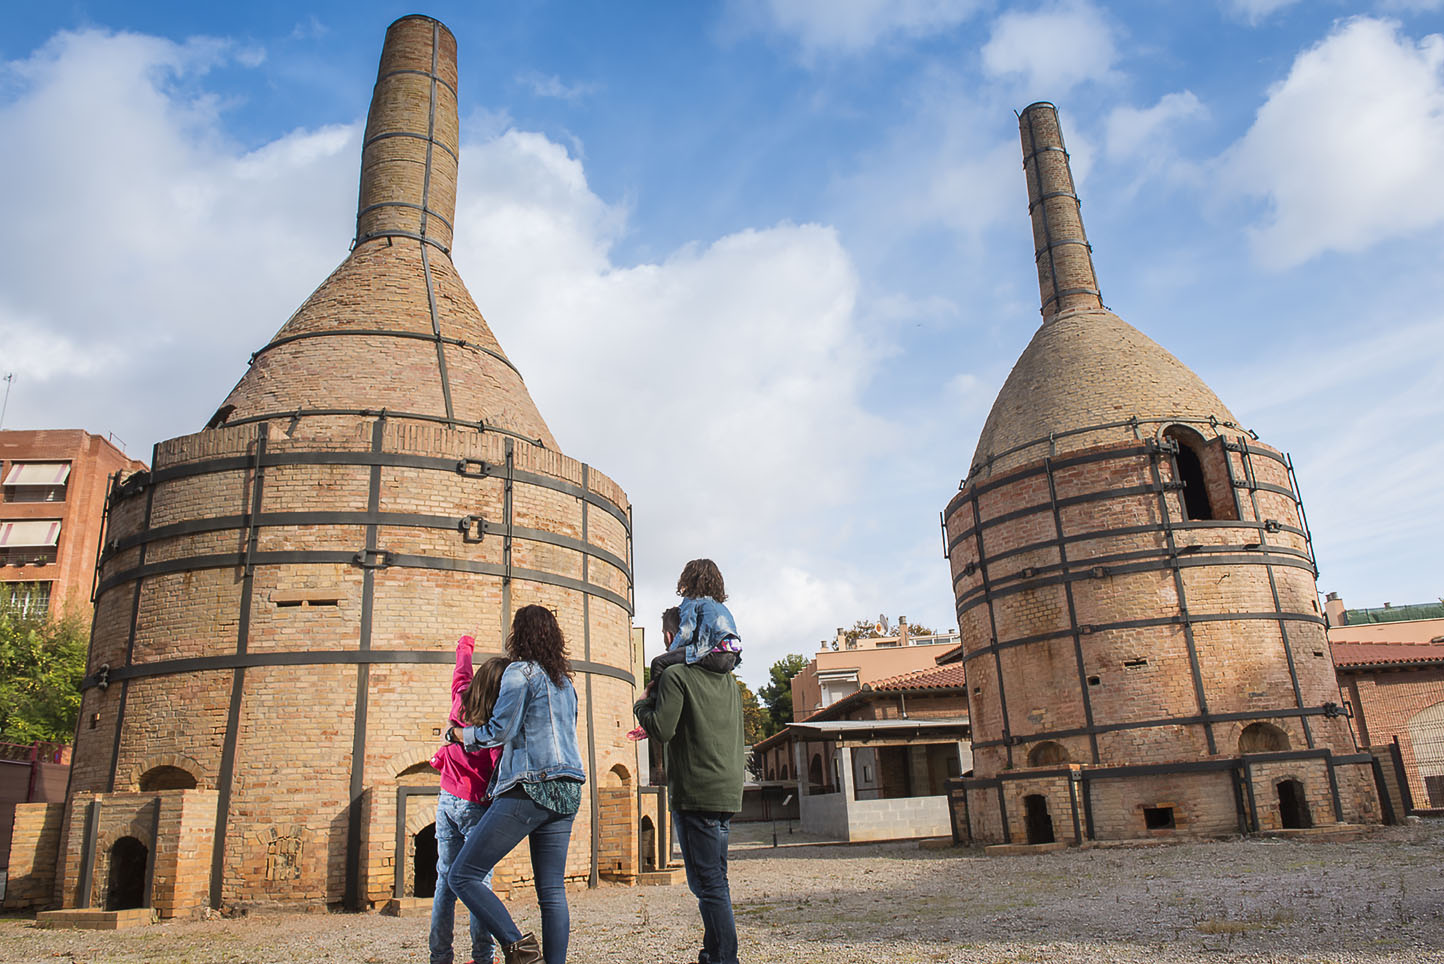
(1377, 899)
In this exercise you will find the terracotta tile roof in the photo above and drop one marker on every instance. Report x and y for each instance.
(1355, 655)
(937, 677)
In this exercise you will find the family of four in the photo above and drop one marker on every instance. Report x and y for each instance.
(511, 770)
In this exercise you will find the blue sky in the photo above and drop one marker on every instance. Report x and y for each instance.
(817, 203)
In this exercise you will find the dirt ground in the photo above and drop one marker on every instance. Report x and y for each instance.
(1376, 899)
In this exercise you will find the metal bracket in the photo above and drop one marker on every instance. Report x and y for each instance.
(1272, 525)
(473, 528)
(473, 468)
(373, 559)
(1334, 709)
(102, 676)
(970, 568)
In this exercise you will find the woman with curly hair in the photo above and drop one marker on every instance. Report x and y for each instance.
(535, 790)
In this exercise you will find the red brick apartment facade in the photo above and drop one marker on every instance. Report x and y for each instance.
(53, 485)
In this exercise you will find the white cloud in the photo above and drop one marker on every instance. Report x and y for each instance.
(723, 382)
(1132, 130)
(1347, 149)
(550, 85)
(147, 255)
(1256, 11)
(850, 26)
(1052, 49)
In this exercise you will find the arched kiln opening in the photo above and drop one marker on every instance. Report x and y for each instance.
(125, 884)
(1047, 753)
(167, 778)
(1294, 806)
(423, 862)
(1038, 821)
(1262, 738)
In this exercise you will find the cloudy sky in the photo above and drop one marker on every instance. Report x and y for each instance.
(767, 262)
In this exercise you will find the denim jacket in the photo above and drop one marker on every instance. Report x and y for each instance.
(534, 721)
(706, 626)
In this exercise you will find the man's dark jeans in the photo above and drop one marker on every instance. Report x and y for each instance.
(703, 838)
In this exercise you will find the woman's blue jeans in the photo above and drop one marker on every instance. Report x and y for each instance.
(703, 837)
(511, 818)
(455, 818)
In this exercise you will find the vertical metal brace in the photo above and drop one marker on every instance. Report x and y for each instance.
(87, 853)
(100, 538)
(594, 876)
(506, 539)
(1166, 520)
(1072, 608)
(1303, 516)
(1274, 590)
(993, 629)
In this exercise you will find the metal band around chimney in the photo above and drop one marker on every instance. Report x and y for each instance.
(1059, 243)
(380, 333)
(420, 73)
(412, 134)
(406, 204)
(377, 235)
(1052, 194)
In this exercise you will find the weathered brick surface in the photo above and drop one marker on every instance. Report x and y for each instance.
(1109, 648)
(285, 648)
(34, 853)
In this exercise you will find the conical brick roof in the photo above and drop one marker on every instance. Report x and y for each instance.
(394, 327)
(1087, 373)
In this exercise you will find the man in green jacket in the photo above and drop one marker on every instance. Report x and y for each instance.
(697, 714)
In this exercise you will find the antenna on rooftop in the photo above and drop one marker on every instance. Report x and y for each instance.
(9, 378)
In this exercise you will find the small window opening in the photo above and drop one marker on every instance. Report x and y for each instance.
(1158, 818)
(94, 720)
(288, 603)
(323, 602)
(1095, 680)
(977, 690)
(1318, 652)
(1135, 663)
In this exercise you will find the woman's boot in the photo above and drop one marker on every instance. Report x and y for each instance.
(524, 951)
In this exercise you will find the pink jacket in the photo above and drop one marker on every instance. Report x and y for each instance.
(463, 774)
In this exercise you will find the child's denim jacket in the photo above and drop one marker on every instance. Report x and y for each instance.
(707, 626)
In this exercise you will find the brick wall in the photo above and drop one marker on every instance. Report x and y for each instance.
(1384, 702)
(34, 853)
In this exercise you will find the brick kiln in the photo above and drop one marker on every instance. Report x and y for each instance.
(1135, 587)
(279, 596)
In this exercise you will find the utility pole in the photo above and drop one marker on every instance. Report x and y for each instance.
(9, 378)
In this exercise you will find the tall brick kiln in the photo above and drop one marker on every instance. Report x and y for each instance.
(279, 596)
(1135, 587)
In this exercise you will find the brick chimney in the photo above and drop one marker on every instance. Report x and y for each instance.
(1060, 245)
(408, 161)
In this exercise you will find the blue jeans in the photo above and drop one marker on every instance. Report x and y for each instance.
(703, 838)
(455, 818)
(511, 818)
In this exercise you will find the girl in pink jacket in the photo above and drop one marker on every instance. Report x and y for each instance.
(464, 777)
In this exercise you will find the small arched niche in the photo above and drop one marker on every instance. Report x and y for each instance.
(1048, 753)
(166, 778)
(1262, 738)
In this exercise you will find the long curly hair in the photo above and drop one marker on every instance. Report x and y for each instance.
(535, 637)
(701, 577)
(480, 696)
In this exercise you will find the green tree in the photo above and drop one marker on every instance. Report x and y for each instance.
(42, 661)
(754, 721)
(921, 629)
(777, 694)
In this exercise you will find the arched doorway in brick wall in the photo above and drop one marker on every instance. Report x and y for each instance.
(617, 853)
(1426, 741)
(1038, 821)
(1293, 806)
(647, 844)
(125, 881)
(1047, 753)
(423, 862)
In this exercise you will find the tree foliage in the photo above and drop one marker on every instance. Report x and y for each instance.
(42, 661)
(777, 694)
(754, 721)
